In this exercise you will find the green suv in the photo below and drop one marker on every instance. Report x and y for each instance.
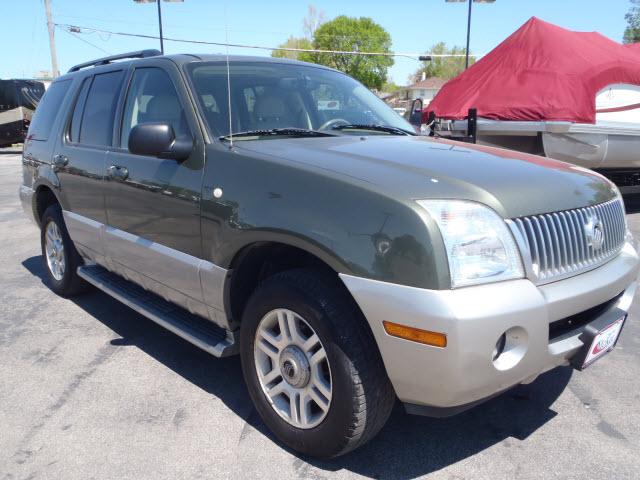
(280, 210)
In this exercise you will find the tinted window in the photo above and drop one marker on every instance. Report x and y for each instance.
(152, 98)
(100, 108)
(74, 128)
(47, 110)
(275, 95)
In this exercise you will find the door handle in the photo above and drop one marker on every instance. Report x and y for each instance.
(60, 161)
(118, 172)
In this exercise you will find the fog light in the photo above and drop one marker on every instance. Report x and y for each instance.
(499, 348)
(510, 348)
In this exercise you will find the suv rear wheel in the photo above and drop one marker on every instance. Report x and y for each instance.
(311, 365)
(59, 255)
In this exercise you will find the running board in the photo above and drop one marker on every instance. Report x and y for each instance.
(193, 328)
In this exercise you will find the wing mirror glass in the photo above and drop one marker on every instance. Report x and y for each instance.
(159, 140)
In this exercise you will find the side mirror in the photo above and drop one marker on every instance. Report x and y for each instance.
(415, 117)
(159, 140)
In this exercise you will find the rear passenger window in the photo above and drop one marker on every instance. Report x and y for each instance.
(152, 98)
(47, 110)
(100, 108)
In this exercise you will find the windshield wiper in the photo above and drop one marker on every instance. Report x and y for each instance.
(272, 132)
(373, 128)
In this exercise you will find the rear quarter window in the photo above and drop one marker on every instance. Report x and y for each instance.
(74, 128)
(48, 110)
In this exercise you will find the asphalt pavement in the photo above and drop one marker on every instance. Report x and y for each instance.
(89, 389)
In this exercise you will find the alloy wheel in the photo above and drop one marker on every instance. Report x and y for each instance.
(293, 368)
(54, 248)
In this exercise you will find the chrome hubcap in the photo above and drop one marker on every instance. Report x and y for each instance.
(54, 250)
(293, 368)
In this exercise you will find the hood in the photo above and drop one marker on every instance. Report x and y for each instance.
(418, 167)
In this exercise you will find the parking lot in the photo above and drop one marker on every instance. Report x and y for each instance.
(91, 389)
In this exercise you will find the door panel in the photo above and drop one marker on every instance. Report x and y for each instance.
(154, 220)
(153, 211)
(87, 235)
(159, 201)
(81, 153)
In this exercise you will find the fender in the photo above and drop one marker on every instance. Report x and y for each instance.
(43, 177)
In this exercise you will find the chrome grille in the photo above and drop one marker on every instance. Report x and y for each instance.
(560, 246)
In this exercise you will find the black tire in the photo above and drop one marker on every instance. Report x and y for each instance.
(70, 284)
(362, 393)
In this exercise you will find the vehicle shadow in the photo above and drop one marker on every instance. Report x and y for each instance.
(407, 447)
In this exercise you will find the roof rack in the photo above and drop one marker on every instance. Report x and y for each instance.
(122, 56)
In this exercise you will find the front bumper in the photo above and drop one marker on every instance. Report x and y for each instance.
(473, 318)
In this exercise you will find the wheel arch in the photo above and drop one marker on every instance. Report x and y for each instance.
(44, 196)
(259, 260)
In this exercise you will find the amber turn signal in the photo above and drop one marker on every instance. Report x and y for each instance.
(415, 334)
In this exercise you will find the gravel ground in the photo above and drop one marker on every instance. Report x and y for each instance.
(91, 389)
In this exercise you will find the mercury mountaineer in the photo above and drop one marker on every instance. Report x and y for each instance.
(295, 219)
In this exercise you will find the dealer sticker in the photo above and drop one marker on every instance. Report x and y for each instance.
(604, 341)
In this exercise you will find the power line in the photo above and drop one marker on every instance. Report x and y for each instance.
(414, 56)
(87, 42)
(112, 20)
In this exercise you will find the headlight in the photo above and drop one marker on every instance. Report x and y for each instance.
(480, 247)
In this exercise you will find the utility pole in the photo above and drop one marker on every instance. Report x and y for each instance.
(52, 40)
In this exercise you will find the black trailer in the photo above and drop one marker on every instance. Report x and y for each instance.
(18, 101)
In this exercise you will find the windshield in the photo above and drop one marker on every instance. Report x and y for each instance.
(266, 96)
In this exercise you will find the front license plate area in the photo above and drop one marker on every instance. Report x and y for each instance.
(599, 338)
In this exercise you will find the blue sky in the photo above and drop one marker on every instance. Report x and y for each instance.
(414, 25)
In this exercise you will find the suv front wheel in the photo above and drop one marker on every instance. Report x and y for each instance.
(59, 255)
(311, 365)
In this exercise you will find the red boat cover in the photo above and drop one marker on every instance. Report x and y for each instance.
(540, 72)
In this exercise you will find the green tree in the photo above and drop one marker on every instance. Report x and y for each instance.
(443, 67)
(294, 42)
(632, 32)
(390, 87)
(354, 34)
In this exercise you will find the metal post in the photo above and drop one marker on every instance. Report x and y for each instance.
(52, 41)
(431, 121)
(466, 60)
(472, 125)
(160, 26)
